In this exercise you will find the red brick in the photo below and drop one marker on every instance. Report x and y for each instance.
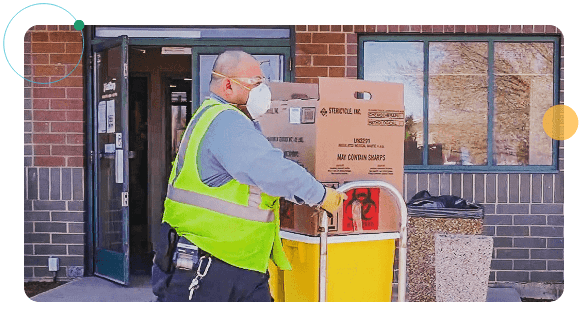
(27, 59)
(74, 92)
(303, 37)
(329, 60)
(66, 103)
(48, 138)
(482, 28)
(358, 28)
(348, 28)
(300, 28)
(370, 28)
(65, 27)
(449, 28)
(336, 49)
(324, 28)
(328, 38)
(470, 28)
(303, 60)
(493, 29)
(69, 81)
(49, 70)
(48, 48)
(351, 49)
(382, 28)
(550, 29)
(336, 28)
(516, 28)
(41, 103)
(306, 80)
(75, 115)
(312, 48)
(459, 28)
(49, 92)
(49, 115)
(52, 27)
(403, 28)
(313, 28)
(538, 28)
(40, 27)
(416, 28)
(505, 29)
(352, 61)
(40, 59)
(351, 38)
(39, 37)
(49, 161)
(67, 150)
(336, 71)
(311, 71)
(40, 150)
(40, 79)
(64, 127)
(64, 58)
(393, 28)
(40, 127)
(351, 72)
(73, 48)
(425, 28)
(74, 70)
(75, 162)
(65, 36)
(74, 138)
(27, 48)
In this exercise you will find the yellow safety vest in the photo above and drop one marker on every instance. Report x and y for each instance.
(235, 222)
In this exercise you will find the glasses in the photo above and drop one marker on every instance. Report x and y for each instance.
(256, 80)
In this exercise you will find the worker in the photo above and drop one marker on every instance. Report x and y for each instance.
(222, 205)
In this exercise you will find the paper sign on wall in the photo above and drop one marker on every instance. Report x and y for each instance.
(119, 166)
(111, 116)
(101, 117)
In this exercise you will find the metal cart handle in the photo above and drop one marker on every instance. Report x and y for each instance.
(399, 201)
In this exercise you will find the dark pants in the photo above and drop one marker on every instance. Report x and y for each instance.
(223, 283)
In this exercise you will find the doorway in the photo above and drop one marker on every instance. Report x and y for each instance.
(159, 98)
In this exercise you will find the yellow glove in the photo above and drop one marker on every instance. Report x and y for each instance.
(333, 200)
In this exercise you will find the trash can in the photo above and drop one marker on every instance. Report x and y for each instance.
(429, 216)
(359, 268)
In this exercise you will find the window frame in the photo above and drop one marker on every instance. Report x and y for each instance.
(490, 39)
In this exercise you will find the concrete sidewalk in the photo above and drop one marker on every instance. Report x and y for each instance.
(96, 289)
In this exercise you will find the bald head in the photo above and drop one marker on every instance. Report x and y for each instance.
(230, 63)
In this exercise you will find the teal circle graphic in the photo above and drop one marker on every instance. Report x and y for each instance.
(4, 43)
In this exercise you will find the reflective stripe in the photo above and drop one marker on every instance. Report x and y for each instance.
(249, 212)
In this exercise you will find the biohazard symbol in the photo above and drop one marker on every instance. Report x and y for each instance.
(369, 207)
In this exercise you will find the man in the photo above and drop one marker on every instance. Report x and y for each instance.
(223, 194)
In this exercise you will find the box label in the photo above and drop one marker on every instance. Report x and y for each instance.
(379, 117)
(369, 198)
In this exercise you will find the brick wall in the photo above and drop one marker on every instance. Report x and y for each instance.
(53, 152)
(524, 212)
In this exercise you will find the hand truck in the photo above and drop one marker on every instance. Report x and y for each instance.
(324, 223)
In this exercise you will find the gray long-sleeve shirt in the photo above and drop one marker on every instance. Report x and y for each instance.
(235, 148)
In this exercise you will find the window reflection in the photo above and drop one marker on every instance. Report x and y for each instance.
(524, 91)
(458, 103)
(401, 62)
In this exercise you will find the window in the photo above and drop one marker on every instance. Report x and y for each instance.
(471, 103)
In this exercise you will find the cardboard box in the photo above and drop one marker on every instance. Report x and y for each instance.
(341, 130)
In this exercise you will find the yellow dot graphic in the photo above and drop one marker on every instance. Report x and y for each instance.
(560, 122)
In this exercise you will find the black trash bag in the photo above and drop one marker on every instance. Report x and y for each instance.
(426, 205)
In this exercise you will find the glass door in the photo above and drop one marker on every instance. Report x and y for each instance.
(111, 165)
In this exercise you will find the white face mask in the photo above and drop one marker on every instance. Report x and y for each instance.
(259, 100)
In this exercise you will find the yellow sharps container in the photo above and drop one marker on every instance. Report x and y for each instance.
(359, 268)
